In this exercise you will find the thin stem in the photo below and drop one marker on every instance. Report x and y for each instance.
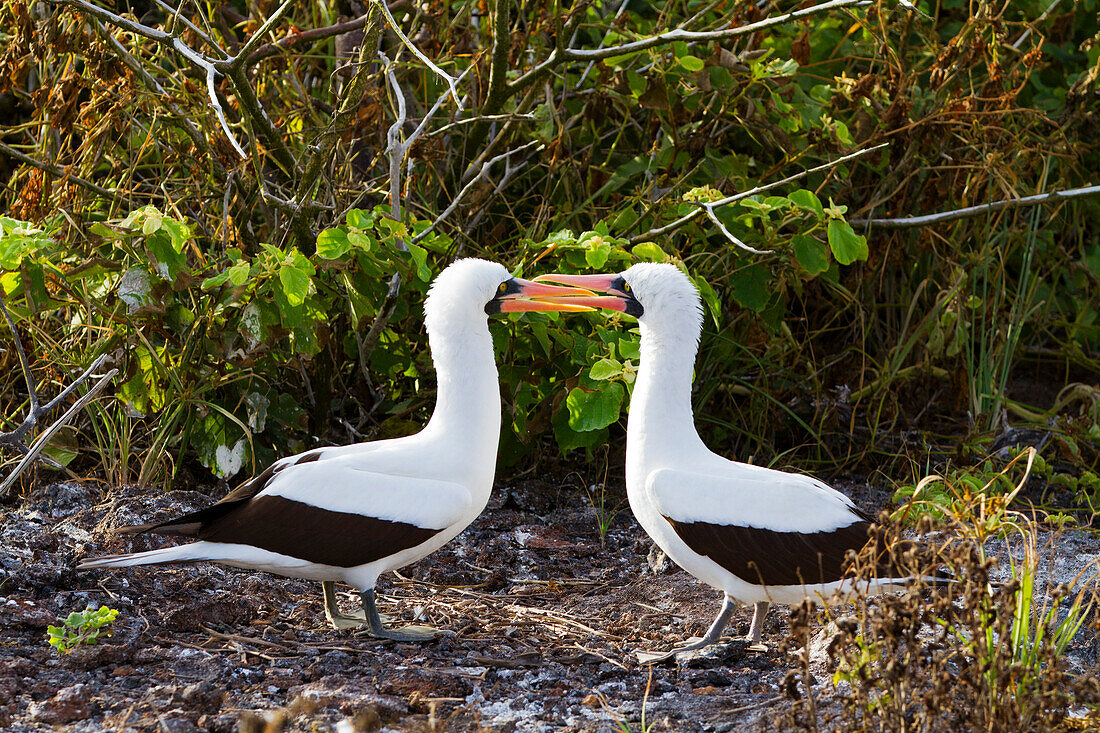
(447, 78)
(32, 392)
(708, 207)
(60, 173)
(969, 211)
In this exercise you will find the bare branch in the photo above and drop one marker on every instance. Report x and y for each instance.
(154, 85)
(394, 147)
(44, 438)
(678, 34)
(352, 94)
(199, 60)
(498, 66)
(33, 411)
(254, 41)
(217, 105)
(450, 80)
(60, 173)
(314, 34)
(177, 15)
(470, 186)
(946, 216)
(118, 20)
(708, 207)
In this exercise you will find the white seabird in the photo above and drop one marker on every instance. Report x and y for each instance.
(758, 535)
(350, 513)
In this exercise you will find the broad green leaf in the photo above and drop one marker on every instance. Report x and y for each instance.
(847, 246)
(597, 252)
(649, 251)
(691, 63)
(750, 287)
(811, 254)
(170, 262)
(569, 439)
(359, 239)
(215, 281)
(238, 273)
(295, 274)
(594, 410)
(614, 61)
(333, 244)
(420, 258)
(178, 233)
(629, 347)
(710, 298)
(808, 200)
(605, 369)
(360, 219)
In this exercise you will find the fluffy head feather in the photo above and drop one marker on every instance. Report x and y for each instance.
(459, 293)
(671, 302)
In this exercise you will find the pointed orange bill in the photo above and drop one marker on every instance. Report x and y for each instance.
(599, 283)
(536, 296)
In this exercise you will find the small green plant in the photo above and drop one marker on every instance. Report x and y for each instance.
(970, 654)
(81, 628)
(621, 725)
(606, 510)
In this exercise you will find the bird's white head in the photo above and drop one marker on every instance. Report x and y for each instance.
(661, 296)
(463, 289)
(470, 289)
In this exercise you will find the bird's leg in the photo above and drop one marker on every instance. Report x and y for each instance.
(377, 630)
(338, 618)
(759, 611)
(714, 633)
(335, 616)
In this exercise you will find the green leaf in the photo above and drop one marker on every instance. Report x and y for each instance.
(847, 246)
(359, 240)
(296, 274)
(750, 287)
(605, 369)
(333, 244)
(420, 258)
(360, 219)
(808, 200)
(594, 410)
(613, 61)
(177, 232)
(170, 261)
(597, 252)
(649, 251)
(691, 63)
(570, 439)
(238, 273)
(810, 253)
(710, 298)
(215, 281)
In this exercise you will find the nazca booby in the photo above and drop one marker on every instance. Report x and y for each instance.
(759, 535)
(350, 513)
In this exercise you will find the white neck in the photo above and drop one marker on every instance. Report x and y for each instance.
(467, 409)
(661, 424)
(468, 391)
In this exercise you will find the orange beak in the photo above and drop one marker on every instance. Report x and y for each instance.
(604, 283)
(535, 296)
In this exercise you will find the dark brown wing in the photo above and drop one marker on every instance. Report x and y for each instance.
(190, 524)
(766, 557)
(306, 532)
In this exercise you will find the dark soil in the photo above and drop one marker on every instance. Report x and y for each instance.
(541, 621)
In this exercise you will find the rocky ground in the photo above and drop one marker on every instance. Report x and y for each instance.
(541, 614)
